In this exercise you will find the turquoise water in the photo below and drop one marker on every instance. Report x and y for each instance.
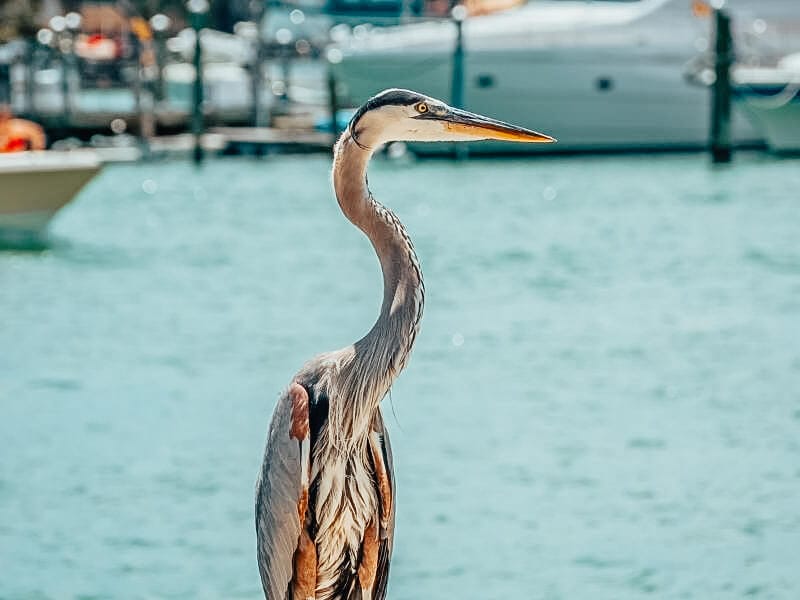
(604, 401)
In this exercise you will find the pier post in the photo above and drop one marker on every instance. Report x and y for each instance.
(257, 12)
(143, 99)
(250, 33)
(65, 95)
(334, 106)
(721, 145)
(286, 66)
(136, 84)
(459, 13)
(72, 71)
(5, 84)
(31, 54)
(258, 81)
(198, 10)
(63, 44)
(160, 24)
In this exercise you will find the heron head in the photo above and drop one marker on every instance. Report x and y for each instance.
(397, 115)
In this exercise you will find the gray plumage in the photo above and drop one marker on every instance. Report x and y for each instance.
(277, 493)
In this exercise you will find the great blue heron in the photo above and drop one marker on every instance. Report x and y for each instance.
(325, 493)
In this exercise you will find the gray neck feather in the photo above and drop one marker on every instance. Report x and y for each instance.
(365, 371)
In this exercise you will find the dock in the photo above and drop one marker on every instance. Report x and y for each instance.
(223, 141)
(271, 140)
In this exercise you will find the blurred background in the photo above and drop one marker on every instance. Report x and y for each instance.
(603, 401)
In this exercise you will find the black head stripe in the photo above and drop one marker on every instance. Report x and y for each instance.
(393, 97)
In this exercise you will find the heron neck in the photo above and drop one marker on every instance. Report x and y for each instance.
(384, 351)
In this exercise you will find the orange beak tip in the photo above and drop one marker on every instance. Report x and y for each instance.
(545, 139)
(536, 138)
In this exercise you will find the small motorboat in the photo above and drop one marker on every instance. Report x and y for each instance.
(36, 185)
(770, 96)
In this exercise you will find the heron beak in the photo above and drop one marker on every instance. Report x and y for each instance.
(462, 122)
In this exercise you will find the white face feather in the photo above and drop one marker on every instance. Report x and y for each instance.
(397, 123)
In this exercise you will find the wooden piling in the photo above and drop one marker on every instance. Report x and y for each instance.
(31, 54)
(5, 84)
(257, 82)
(159, 91)
(334, 105)
(721, 145)
(197, 95)
(143, 101)
(65, 87)
(459, 13)
(286, 65)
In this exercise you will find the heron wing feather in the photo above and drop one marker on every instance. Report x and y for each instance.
(278, 491)
(385, 550)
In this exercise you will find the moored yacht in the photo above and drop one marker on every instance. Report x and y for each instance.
(606, 75)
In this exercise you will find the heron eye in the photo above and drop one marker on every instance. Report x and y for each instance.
(421, 107)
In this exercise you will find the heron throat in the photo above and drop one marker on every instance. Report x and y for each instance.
(370, 365)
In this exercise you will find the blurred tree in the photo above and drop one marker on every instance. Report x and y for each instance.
(148, 8)
(18, 18)
(223, 14)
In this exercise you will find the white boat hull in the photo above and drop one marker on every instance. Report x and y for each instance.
(34, 186)
(781, 126)
(771, 98)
